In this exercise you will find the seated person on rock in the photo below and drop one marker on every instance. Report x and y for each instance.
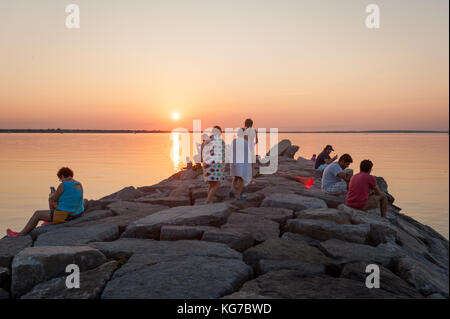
(324, 159)
(66, 203)
(335, 180)
(363, 191)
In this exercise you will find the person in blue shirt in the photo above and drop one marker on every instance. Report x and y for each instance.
(65, 203)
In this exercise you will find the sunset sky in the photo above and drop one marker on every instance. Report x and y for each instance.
(290, 64)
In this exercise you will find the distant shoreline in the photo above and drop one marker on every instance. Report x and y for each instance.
(80, 131)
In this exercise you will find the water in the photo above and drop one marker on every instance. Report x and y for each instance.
(414, 165)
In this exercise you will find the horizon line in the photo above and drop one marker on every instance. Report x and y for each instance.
(58, 130)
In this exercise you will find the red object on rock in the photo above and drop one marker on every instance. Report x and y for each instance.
(308, 182)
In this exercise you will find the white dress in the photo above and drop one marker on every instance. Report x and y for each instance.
(241, 165)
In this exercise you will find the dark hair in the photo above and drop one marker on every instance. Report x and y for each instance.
(218, 127)
(346, 158)
(248, 122)
(365, 166)
(64, 171)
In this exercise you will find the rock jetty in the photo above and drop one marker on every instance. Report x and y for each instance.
(283, 241)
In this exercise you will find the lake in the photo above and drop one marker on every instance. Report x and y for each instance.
(415, 166)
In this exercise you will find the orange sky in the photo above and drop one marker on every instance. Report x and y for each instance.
(291, 64)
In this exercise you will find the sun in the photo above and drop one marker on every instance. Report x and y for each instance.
(175, 116)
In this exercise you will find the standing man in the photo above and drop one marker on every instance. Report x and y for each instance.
(363, 191)
(335, 180)
(324, 158)
(252, 139)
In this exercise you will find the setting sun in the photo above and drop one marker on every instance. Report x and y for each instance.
(175, 116)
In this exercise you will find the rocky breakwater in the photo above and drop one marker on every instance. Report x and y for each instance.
(283, 241)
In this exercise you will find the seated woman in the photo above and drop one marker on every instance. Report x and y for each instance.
(65, 203)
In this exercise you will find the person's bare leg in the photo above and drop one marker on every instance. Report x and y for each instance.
(233, 183)
(240, 186)
(213, 187)
(52, 204)
(34, 220)
(383, 205)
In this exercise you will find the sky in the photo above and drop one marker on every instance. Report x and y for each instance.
(287, 64)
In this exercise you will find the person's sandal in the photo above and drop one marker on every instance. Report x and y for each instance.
(11, 233)
(242, 197)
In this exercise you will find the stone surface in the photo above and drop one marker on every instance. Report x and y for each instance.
(285, 249)
(207, 215)
(352, 252)
(332, 201)
(425, 279)
(324, 230)
(292, 201)
(279, 215)
(169, 201)
(92, 283)
(4, 294)
(261, 229)
(179, 277)
(5, 277)
(280, 148)
(388, 280)
(39, 264)
(306, 269)
(126, 247)
(291, 284)
(11, 246)
(127, 193)
(252, 200)
(125, 208)
(171, 232)
(290, 151)
(236, 238)
(74, 236)
(329, 214)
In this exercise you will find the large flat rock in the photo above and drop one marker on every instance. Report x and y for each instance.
(11, 246)
(126, 247)
(306, 269)
(207, 215)
(39, 264)
(127, 193)
(293, 201)
(332, 201)
(92, 283)
(175, 232)
(87, 218)
(178, 277)
(261, 229)
(237, 238)
(291, 284)
(324, 230)
(125, 208)
(295, 249)
(330, 214)
(170, 201)
(352, 252)
(74, 236)
(279, 215)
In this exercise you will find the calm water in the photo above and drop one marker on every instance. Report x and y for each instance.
(414, 165)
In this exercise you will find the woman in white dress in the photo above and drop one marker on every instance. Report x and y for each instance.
(241, 166)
